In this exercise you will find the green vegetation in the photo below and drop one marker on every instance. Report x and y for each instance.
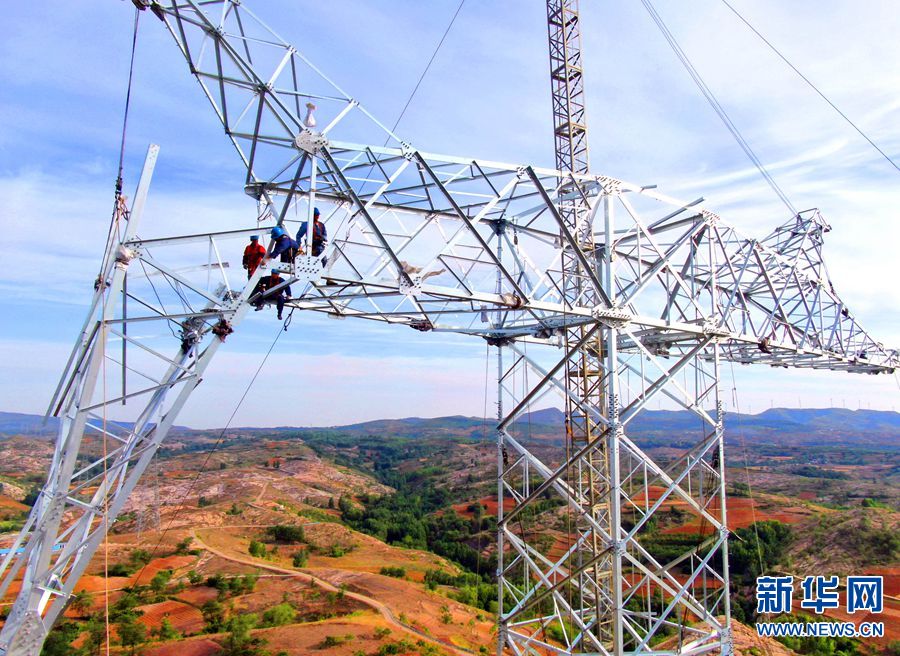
(300, 558)
(396, 572)
(136, 560)
(279, 615)
(817, 646)
(236, 585)
(874, 545)
(166, 631)
(752, 552)
(317, 515)
(239, 642)
(873, 503)
(817, 472)
(285, 534)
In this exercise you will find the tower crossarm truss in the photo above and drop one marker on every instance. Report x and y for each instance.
(398, 216)
(646, 294)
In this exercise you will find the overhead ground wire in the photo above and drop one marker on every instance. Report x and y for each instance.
(811, 85)
(428, 65)
(717, 106)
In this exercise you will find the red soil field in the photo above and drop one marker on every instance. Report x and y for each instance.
(184, 618)
(95, 584)
(743, 511)
(156, 565)
(489, 504)
(12, 504)
(198, 596)
(201, 647)
(891, 579)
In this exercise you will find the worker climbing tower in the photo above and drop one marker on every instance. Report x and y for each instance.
(603, 292)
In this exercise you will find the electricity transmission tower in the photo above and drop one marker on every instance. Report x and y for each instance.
(608, 293)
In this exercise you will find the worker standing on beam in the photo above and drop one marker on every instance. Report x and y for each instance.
(282, 245)
(253, 255)
(319, 235)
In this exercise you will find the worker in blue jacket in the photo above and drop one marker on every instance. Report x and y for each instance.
(282, 245)
(319, 235)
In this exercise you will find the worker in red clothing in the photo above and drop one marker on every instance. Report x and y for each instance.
(253, 255)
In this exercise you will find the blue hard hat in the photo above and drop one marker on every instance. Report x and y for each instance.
(277, 232)
(254, 237)
(316, 211)
(276, 272)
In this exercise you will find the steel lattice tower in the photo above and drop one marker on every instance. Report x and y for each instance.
(605, 292)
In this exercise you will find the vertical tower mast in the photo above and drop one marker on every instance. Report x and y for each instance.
(593, 589)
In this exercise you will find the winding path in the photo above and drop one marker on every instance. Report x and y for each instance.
(374, 604)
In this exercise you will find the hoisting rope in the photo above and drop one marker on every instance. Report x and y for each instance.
(119, 213)
(737, 408)
(717, 106)
(281, 330)
(811, 85)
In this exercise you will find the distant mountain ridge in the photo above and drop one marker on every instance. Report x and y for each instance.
(18, 423)
(776, 425)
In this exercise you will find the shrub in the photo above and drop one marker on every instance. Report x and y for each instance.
(286, 534)
(300, 558)
(396, 572)
(279, 615)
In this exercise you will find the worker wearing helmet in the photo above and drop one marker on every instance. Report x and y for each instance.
(282, 245)
(261, 294)
(319, 235)
(253, 255)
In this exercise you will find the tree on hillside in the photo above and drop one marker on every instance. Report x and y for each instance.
(213, 616)
(239, 642)
(81, 602)
(131, 632)
(95, 640)
(279, 615)
(59, 640)
(166, 631)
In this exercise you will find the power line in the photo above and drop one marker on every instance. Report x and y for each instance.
(428, 65)
(281, 330)
(811, 85)
(716, 105)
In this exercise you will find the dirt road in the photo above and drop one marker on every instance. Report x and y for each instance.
(328, 587)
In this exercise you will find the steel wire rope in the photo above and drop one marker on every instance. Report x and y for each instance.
(737, 408)
(487, 354)
(119, 211)
(811, 85)
(282, 329)
(113, 224)
(169, 322)
(416, 87)
(717, 106)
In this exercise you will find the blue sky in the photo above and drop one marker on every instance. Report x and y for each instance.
(63, 69)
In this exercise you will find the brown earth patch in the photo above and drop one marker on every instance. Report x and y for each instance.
(197, 647)
(183, 617)
(144, 576)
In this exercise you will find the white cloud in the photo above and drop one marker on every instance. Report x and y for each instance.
(64, 69)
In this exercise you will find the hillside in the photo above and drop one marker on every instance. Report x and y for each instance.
(397, 526)
(777, 426)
